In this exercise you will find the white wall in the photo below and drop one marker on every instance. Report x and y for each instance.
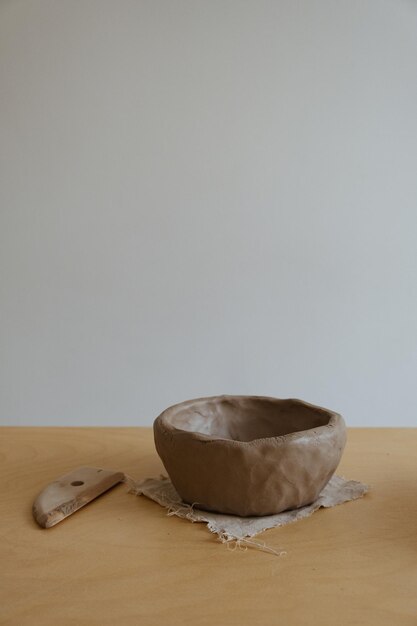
(204, 197)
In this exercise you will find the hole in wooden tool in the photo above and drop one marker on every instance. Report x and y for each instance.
(77, 483)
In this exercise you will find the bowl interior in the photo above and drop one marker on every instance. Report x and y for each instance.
(246, 418)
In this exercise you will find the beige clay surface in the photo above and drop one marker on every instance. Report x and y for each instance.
(249, 455)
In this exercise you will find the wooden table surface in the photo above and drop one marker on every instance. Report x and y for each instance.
(121, 560)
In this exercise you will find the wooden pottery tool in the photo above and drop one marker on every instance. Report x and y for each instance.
(69, 493)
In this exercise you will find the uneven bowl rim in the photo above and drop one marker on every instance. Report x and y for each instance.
(335, 420)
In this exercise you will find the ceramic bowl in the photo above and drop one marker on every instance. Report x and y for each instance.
(249, 455)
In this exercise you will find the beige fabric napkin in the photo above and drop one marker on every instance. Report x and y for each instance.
(231, 528)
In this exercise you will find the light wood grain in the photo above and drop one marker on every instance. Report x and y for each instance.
(121, 560)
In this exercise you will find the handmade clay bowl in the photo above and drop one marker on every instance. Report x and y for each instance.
(249, 455)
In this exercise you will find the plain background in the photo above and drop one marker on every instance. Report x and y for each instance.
(204, 197)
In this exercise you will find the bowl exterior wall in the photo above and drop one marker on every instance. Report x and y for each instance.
(260, 477)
